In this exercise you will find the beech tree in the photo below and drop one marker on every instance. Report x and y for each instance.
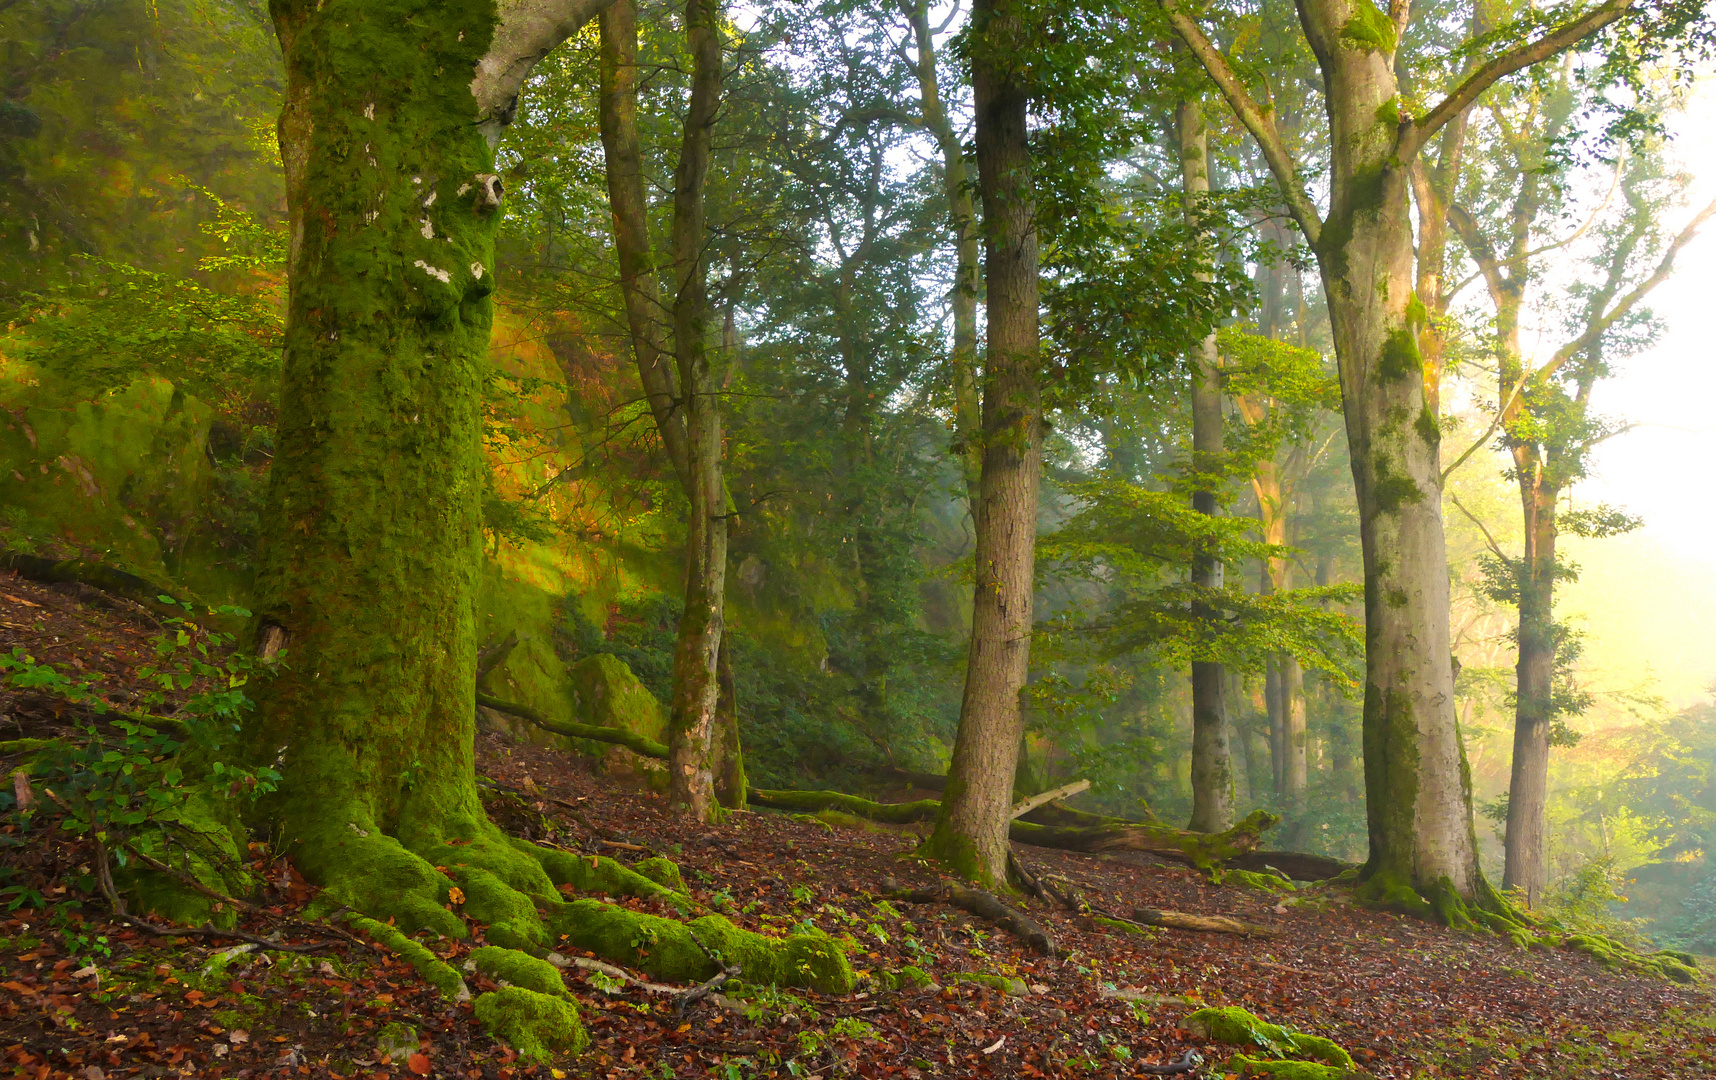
(392, 114)
(1423, 853)
(971, 828)
(684, 397)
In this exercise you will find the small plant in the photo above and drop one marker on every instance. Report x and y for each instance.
(803, 894)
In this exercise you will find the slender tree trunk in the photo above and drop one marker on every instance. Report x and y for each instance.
(971, 829)
(696, 689)
(1528, 787)
(727, 756)
(1212, 761)
(962, 220)
(682, 396)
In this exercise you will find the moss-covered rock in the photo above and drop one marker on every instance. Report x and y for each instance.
(605, 693)
(1240, 1028)
(516, 969)
(999, 983)
(534, 1024)
(908, 977)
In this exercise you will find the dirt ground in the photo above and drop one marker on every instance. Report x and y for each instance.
(86, 997)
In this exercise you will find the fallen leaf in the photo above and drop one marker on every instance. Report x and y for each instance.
(238, 1036)
(455, 896)
(419, 1064)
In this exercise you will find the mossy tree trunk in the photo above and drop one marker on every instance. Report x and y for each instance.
(971, 830)
(1212, 760)
(1417, 792)
(372, 539)
(703, 736)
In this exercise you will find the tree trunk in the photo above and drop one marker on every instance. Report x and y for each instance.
(971, 830)
(1417, 805)
(682, 397)
(1528, 787)
(696, 689)
(1212, 760)
(728, 759)
(372, 539)
(962, 220)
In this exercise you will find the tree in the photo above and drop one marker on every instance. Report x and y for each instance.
(684, 399)
(392, 113)
(1423, 854)
(971, 828)
(1212, 763)
(1544, 418)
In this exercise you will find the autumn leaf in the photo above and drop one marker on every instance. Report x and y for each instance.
(418, 1063)
(455, 896)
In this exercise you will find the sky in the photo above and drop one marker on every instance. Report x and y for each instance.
(1648, 600)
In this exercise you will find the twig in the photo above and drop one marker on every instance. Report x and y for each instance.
(691, 997)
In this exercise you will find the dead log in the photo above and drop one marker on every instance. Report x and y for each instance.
(638, 744)
(1198, 849)
(1025, 806)
(1298, 865)
(1212, 924)
(495, 655)
(981, 904)
(811, 802)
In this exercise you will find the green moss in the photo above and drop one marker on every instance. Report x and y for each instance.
(668, 950)
(1247, 879)
(397, 1041)
(661, 870)
(431, 968)
(534, 1024)
(1400, 356)
(1240, 1028)
(1123, 927)
(600, 874)
(516, 968)
(999, 983)
(909, 976)
(1388, 113)
(1288, 1070)
(25, 746)
(208, 848)
(1369, 29)
(812, 802)
(1427, 426)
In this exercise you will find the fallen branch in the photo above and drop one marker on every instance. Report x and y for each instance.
(637, 744)
(1025, 806)
(983, 905)
(1212, 924)
(810, 802)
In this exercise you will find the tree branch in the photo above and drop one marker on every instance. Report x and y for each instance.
(1414, 135)
(525, 32)
(1253, 117)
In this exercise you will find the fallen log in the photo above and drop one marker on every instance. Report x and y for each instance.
(1298, 865)
(631, 740)
(1202, 850)
(1198, 849)
(1212, 924)
(981, 904)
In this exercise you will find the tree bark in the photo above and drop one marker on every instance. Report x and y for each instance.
(962, 222)
(696, 687)
(682, 397)
(371, 543)
(971, 831)
(1212, 760)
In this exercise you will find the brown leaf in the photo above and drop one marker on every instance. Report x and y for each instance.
(418, 1063)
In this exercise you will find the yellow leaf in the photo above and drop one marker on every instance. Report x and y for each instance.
(456, 895)
(683, 1028)
(558, 1074)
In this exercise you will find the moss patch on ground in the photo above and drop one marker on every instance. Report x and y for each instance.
(534, 1024)
(1241, 1028)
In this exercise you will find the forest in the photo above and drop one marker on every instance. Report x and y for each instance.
(852, 538)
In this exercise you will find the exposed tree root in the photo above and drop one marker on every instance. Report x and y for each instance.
(984, 905)
(1298, 865)
(637, 744)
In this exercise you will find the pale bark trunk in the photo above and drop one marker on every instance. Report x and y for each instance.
(971, 829)
(962, 221)
(1212, 759)
(696, 689)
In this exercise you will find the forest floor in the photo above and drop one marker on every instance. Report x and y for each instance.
(85, 997)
